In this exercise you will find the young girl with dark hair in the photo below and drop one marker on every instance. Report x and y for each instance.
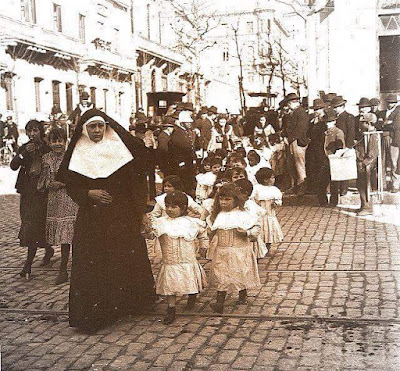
(269, 198)
(246, 189)
(32, 203)
(232, 230)
(222, 135)
(180, 272)
(205, 182)
(61, 210)
(173, 183)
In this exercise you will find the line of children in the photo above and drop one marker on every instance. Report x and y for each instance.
(241, 224)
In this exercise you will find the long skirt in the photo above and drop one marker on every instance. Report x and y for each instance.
(33, 207)
(111, 275)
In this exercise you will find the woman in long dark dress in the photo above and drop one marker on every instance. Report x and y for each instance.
(104, 172)
(28, 160)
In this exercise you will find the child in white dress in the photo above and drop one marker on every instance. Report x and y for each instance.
(180, 272)
(269, 198)
(233, 262)
(173, 183)
(246, 189)
(205, 181)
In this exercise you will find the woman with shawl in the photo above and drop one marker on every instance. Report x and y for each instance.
(104, 171)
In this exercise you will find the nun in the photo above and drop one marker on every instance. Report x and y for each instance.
(104, 171)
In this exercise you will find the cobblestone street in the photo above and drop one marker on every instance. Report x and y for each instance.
(329, 301)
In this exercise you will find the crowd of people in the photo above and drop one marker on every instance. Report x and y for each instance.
(221, 181)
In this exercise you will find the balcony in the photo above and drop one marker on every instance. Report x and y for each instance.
(158, 50)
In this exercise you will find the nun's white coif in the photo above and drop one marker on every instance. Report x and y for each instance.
(101, 159)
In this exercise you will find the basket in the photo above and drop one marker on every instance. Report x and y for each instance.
(343, 165)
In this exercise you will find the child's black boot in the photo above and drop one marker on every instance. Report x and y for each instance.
(219, 305)
(170, 316)
(191, 302)
(242, 297)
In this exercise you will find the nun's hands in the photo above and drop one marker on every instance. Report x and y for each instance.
(100, 196)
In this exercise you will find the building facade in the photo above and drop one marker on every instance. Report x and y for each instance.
(160, 68)
(354, 48)
(51, 51)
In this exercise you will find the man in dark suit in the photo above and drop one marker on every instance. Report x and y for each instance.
(204, 125)
(83, 106)
(345, 122)
(297, 128)
(182, 152)
(389, 122)
(2, 130)
(163, 141)
(315, 150)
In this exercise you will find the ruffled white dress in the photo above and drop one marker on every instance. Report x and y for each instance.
(180, 272)
(268, 197)
(205, 184)
(194, 210)
(208, 205)
(260, 249)
(234, 263)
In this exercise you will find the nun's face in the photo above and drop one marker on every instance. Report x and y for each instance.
(95, 130)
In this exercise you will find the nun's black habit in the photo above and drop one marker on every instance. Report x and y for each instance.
(111, 273)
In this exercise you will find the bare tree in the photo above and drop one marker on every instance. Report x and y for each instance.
(242, 94)
(192, 24)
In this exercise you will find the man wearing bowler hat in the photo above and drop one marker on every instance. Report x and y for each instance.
(212, 114)
(391, 125)
(83, 106)
(182, 152)
(163, 140)
(364, 108)
(204, 125)
(297, 128)
(333, 140)
(315, 149)
(345, 122)
(375, 103)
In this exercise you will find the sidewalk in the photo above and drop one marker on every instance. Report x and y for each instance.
(329, 301)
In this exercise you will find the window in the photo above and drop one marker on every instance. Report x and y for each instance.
(119, 102)
(153, 80)
(8, 83)
(37, 80)
(389, 63)
(116, 39)
(28, 8)
(105, 91)
(164, 81)
(57, 17)
(68, 92)
(82, 30)
(225, 54)
(56, 93)
(93, 95)
(250, 27)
